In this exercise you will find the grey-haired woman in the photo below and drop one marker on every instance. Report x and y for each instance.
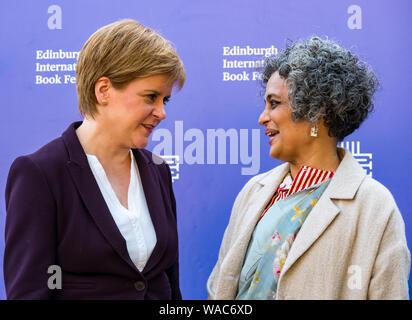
(315, 227)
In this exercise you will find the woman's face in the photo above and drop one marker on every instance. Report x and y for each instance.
(134, 111)
(288, 140)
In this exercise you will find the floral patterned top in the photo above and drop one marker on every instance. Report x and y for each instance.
(276, 231)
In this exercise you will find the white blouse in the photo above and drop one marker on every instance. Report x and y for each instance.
(134, 223)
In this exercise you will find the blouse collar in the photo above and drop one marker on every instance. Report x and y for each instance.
(306, 178)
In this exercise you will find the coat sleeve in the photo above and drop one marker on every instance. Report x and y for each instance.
(30, 232)
(392, 264)
(173, 271)
(227, 240)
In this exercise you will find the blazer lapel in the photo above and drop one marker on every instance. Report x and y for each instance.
(89, 191)
(155, 204)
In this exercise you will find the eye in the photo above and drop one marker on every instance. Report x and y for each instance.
(274, 103)
(166, 100)
(152, 97)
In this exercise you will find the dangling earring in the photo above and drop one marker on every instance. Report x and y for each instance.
(314, 131)
(104, 102)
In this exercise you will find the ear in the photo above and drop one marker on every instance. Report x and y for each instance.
(101, 90)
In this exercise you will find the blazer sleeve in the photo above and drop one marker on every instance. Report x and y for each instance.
(173, 271)
(30, 232)
(392, 264)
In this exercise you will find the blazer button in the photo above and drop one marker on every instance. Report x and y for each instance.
(139, 285)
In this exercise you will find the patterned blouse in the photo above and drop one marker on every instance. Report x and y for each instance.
(276, 231)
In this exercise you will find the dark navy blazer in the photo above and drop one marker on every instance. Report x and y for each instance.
(56, 215)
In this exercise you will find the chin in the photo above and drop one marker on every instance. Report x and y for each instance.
(273, 153)
(139, 145)
(274, 156)
(139, 141)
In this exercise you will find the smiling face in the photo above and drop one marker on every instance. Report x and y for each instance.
(131, 113)
(288, 140)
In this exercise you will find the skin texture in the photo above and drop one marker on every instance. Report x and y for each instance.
(119, 125)
(293, 142)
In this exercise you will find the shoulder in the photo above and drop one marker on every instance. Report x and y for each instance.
(255, 183)
(374, 206)
(374, 193)
(39, 171)
(48, 156)
(263, 177)
(26, 178)
(377, 215)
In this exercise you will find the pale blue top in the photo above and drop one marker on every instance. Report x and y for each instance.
(271, 242)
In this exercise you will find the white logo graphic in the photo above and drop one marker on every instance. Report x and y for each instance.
(355, 20)
(173, 162)
(364, 159)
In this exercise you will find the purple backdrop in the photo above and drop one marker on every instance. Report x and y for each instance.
(209, 36)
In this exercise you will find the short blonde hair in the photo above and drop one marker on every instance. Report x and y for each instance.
(123, 51)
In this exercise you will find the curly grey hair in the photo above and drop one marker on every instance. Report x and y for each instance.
(325, 81)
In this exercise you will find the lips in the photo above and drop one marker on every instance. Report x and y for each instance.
(272, 133)
(149, 127)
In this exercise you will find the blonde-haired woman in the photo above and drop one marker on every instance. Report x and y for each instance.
(94, 203)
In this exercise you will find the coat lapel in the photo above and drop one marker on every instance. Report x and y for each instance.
(343, 185)
(316, 223)
(262, 192)
(89, 191)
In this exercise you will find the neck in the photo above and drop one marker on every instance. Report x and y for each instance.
(321, 158)
(98, 141)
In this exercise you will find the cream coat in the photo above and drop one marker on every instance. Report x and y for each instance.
(351, 246)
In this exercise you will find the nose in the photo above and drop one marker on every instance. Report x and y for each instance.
(159, 112)
(264, 118)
